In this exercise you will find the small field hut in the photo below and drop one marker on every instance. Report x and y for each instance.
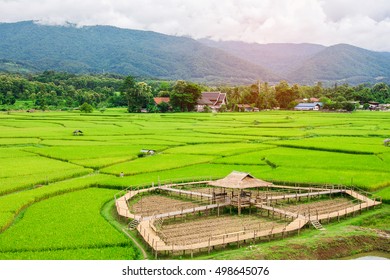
(77, 132)
(238, 182)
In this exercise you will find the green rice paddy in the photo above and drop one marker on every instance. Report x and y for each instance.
(53, 185)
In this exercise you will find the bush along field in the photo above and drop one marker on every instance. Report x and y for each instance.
(56, 185)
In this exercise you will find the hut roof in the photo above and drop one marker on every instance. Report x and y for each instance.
(159, 100)
(239, 180)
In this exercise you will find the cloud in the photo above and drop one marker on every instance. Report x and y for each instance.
(337, 10)
(358, 22)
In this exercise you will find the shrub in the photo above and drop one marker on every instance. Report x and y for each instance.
(223, 108)
(86, 108)
(348, 106)
(207, 109)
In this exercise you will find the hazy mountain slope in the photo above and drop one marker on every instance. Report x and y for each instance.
(124, 51)
(344, 63)
(280, 58)
(309, 63)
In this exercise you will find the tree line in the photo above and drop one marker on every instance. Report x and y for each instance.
(57, 90)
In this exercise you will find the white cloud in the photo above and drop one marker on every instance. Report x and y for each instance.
(358, 22)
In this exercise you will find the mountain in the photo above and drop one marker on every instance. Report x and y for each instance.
(97, 49)
(30, 47)
(280, 58)
(310, 63)
(344, 63)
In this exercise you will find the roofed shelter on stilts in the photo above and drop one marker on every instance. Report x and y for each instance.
(240, 181)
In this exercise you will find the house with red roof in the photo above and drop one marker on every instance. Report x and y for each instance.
(159, 100)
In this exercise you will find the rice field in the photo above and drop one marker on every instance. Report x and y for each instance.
(44, 167)
(64, 222)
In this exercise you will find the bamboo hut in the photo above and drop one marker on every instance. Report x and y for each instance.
(237, 182)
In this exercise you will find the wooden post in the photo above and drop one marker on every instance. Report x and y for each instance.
(239, 203)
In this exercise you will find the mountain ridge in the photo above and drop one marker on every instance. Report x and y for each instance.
(30, 46)
(124, 51)
(350, 64)
(279, 57)
(310, 63)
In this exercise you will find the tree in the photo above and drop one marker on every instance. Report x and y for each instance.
(317, 89)
(266, 99)
(86, 108)
(184, 96)
(7, 98)
(128, 90)
(144, 94)
(234, 97)
(163, 107)
(252, 96)
(381, 92)
(285, 95)
(138, 95)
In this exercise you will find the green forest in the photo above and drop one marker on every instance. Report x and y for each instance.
(52, 90)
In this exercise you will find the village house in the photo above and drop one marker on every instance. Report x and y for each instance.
(309, 106)
(213, 100)
(159, 100)
(373, 105)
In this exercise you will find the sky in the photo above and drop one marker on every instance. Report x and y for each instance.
(362, 23)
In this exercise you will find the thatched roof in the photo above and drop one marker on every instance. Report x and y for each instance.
(240, 180)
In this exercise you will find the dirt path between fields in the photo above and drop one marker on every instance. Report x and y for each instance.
(145, 255)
